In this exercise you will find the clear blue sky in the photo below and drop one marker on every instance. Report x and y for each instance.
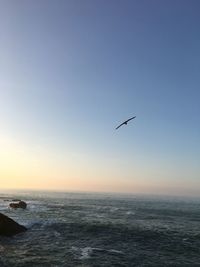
(70, 71)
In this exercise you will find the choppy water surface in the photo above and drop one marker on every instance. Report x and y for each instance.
(68, 229)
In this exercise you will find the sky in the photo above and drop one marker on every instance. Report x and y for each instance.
(71, 71)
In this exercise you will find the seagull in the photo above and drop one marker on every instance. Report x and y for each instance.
(125, 122)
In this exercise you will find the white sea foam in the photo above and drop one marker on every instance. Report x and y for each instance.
(114, 251)
(86, 252)
(82, 253)
(37, 206)
(114, 209)
(30, 224)
(130, 213)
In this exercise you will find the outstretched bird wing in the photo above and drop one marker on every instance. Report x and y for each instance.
(119, 125)
(131, 119)
(125, 122)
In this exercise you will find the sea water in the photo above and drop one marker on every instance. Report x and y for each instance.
(79, 229)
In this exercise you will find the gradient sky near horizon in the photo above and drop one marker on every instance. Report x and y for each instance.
(71, 71)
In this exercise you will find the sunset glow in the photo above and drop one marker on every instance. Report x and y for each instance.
(71, 72)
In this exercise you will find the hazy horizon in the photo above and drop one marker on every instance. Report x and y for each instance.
(148, 193)
(59, 192)
(71, 71)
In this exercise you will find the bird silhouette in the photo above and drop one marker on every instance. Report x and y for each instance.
(125, 122)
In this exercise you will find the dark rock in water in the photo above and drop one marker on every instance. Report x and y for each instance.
(5, 198)
(20, 204)
(16, 200)
(9, 227)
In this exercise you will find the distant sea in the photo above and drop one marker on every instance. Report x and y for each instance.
(79, 229)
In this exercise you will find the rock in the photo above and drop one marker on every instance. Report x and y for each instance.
(9, 227)
(20, 204)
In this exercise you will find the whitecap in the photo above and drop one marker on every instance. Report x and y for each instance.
(113, 209)
(86, 252)
(82, 253)
(114, 251)
(30, 224)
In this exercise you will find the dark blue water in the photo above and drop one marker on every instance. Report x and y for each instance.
(68, 229)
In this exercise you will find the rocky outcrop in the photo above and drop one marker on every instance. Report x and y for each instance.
(20, 204)
(9, 227)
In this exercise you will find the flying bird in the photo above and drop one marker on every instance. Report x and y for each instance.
(125, 122)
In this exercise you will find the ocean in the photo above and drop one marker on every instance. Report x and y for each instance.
(85, 229)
